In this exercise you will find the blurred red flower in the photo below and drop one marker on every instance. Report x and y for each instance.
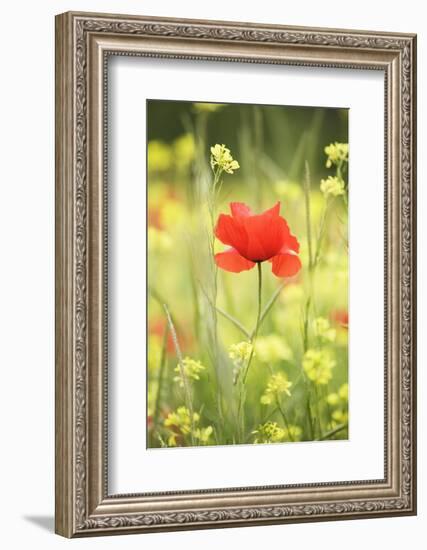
(256, 238)
(157, 326)
(340, 316)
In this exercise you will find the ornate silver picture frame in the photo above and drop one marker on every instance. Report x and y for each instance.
(84, 42)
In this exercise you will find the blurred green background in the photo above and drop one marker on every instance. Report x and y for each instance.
(289, 135)
(274, 146)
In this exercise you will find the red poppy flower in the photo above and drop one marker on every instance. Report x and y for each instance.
(340, 316)
(256, 238)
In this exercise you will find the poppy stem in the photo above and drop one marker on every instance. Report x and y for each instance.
(269, 305)
(242, 393)
(255, 331)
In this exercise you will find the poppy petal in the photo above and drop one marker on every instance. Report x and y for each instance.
(273, 211)
(267, 235)
(231, 260)
(286, 265)
(240, 209)
(230, 231)
(290, 242)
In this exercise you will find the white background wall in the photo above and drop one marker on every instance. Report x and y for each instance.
(27, 272)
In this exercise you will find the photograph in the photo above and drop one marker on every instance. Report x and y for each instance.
(235, 271)
(247, 274)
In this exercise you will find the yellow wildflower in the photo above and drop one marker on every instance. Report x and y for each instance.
(277, 384)
(179, 424)
(239, 354)
(181, 419)
(203, 434)
(340, 417)
(323, 330)
(293, 433)
(318, 365)
(339, 401)
(221, 157)
(333, 186)
(270, 432)
(191, 369)
(343, 392)
(333, 399)
(340, 397)
(336, 153)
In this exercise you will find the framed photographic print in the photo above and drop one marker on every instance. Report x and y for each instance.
(235, 274)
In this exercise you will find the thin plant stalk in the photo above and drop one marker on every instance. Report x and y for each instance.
(242, 392)
(283, 415)
(209, 194)
(319, 422)
(308, 215)
(196, 308)
(235, 322)
(310, 417)
(311, 268)
(187, 390)
(160, 378)
(328, 407)
(255, 331)
(212, 200)
(258, 139)
(321, 233)
(280, 409)
(269, 305)
(333, 432)
(265, 311)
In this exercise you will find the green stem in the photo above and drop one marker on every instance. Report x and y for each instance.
(280, 408)
(242, 393)
(283, 415)
(310, 417)
(226, 315)
(233, 320)
(160, 378)
(328, 407)
(307, 187)
(309, 302)
(211, 200)
(187, 389)
(269, 305)
(255, 331)
(237, 323)
(258, 139)
(321, 233)
(319, 423)
(332, 432)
